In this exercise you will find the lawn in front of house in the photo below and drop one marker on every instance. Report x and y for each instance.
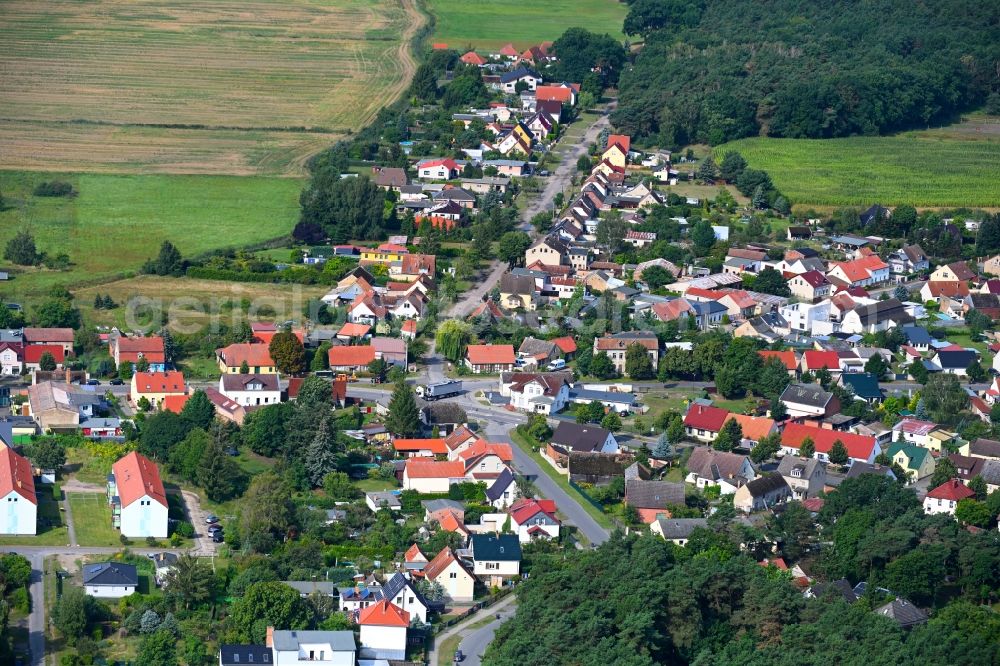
(52, 530)
(92, 519)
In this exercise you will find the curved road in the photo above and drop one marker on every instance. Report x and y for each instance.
(473, 645)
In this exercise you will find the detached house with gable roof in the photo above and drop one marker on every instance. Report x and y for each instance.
(540, 392)
(708, 467)
(489, 359)
(156, 387)
(945, 498)
(452, 574)
(534, 519)
(138, 500)
(17, 493)
(704, 422)
(255, 355)
(616, 346)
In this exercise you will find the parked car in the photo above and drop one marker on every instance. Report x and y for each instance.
(215, 529)
(117, 382)
(211, 518)
(459, 656)
(93, 382)
(218, 537)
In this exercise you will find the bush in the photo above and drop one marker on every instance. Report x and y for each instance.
(20, 600)
(184, 529)
(55, 188)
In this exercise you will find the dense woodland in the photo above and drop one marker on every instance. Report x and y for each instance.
(711, 72)
(641, 600)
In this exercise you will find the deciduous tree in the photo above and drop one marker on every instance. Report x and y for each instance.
(287, 353)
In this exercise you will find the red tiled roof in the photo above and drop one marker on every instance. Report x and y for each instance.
(858, 447)
(432, 444)
(136, 476)
(953, 490)
(15, 475)
(445, 162)
(526, 507)
(815, 360)
(384, 614)
(33, 353)
(450, 521)
(706, 417)
(814, 278)
(624, 141)
(175, 403)
(441, 562)
(787, 358)
(754, 427)
(567, 345)
(425, 468)
(352, 330)
(256, 355)
(171, 381)
(414, 554)
(555, 93)
(490, 354)
(351, 356)
(949, 289)
(473, 58)
(483, 448)
(814, 504)
(34, 336)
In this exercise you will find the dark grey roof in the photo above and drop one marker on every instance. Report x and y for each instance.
(500, 484)
(339, 641)
(990, 472)
(985, 448)
(240, 382)
(496, 548)
(438, 504)
(517, 284)
(917, 335)
(579, 437)
(840, 587)
(863, 384)
(859, 468)
(807, 466)
(903, 612)
(812, 395)
(110, 573)
(888, 310)
(766, 484)
(397, 583)
(241, 655)
(516, 74)
(680, 528)
(653, 494)
(956, 360)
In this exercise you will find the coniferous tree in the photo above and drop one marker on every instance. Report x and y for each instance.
(321, 455)
(404, 418)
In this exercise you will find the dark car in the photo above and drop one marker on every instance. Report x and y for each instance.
(211, 518)
(459, 656)
(212, 529)
(93, 382)
(218, 537)
(116, 382)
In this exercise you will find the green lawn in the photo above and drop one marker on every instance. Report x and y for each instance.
(375, 485)
(951, 166)
(52, 529)
(485, 24)
(92, 519)
(117, 222)
(563, 481)
(253, 464)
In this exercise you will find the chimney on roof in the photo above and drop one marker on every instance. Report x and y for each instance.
(269, 641)
(69, 376)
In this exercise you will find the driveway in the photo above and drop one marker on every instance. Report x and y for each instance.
(463, 629)
(474, 644)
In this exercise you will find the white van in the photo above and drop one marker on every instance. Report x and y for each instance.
(557, 364)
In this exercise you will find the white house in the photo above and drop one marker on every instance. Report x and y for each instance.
(251, 390)
(448, 571)
(138, 500)
(708, 467)
(432, 476)
(110, 579)
(543, 393)
(945, 498)
(11, 359)
(319, 648)
(438, 169)
(496, 557)
(534, 519)
(383, 631)
(17, 492)
(403, 594)
(503, 491)
(803, 316)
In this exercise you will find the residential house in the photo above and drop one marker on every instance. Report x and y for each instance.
(987, 304)
(761, 493)
(432, 476)
(804, 317)
(548, 251)
(957, 271)
(452, 574)
(133, 350)
(351, 358)
(809, 401)
(379, 500)
(805, 476)
(677, 530)
(708, 467)
(489, 359)
(914, 431)
(909, 259)
(503, 491)
(954, 362)
(879, 316)
(810, 286)
(61, 406)
(389, 178)
(786, 358)
(241, 655)
(390, 350)
(937, 291)
(616, 346)
(496, 557)
(542, 393)
(704, 422)
(866, 271)
(864, 386)
(255, 355)
(814, 360)
(584, 438)
(32, 356)
(992, 265)
(987, 449)
(437, 169)
(917, 337)
(518, 292)
(17, 491)
(945, 498)
(916, 461)
(137, 497)
(420, 447)
(528, 80)
(598, 469)
(534, 519)
(383, 631)
(112, 580)
(11, 358)
(251, 390)
(860, 448)
(652, 499)
(535, 352)
(319, 648)
(754, 428)
(401, 591)
(903, 613)
(517, 141)
(62, 337)
(157, 386)
(617, 150)
(484, 461)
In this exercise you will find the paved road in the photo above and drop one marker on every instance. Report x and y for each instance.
(474, 644)
(462, 628)
(36, 620)
(468, 301)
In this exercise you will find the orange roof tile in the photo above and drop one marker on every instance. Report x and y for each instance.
(622, 140)
(440, 563)
(171, 381)
(255, 355)
(352, 330)
(449, 521)
(490, 354)
(433, 444)
(136, 476)
(351, 356)
(424, 468)
(787, 358)
(384, 614)
(567, 345)
(414, 554)
(754, 427)
(484, 448)
(175, 403)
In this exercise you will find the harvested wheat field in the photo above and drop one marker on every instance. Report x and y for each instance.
(185, 86)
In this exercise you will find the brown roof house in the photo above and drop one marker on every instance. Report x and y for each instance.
(616, 345)
(708, 467)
